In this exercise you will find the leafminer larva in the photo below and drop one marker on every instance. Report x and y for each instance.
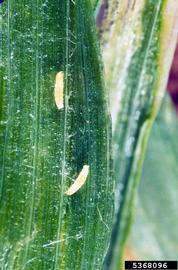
(59, 90)
(80, 181)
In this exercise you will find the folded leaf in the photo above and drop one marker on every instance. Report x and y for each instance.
(137, 50)
(47, 136)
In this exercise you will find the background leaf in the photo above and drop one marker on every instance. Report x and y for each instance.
(143, 37)
(154, 234)
(43, 149)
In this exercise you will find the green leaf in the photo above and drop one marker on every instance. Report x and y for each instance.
(95, 3)
(156, 219)
(43, 149)
(143, 37)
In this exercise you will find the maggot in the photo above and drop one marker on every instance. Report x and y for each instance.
(59, 90)
(80, 181)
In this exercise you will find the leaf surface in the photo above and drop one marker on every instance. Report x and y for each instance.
(137, 48)
(43, 149)
(157, 212)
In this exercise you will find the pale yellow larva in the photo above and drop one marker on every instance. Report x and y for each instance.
(59, 90)
(79, 182)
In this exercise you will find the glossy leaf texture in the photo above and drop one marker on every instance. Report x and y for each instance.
(156, 219)
(137, 48)
(43, 149)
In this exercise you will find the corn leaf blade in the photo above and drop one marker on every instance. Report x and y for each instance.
(43, 149)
